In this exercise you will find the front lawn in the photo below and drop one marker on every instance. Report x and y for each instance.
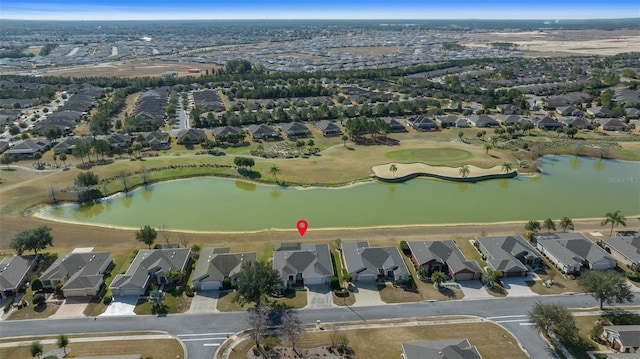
(292, 299)
(175, 301)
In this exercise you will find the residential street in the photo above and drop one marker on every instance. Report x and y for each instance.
(203, 333)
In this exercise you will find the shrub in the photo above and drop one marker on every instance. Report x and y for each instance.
(404, 247)
(58, 289)
(410, 282)
(341, 292)
(36, 284)
(188, 291)
(107, 300)
(8, 305)
(226, 283)
(38, 299)
(633, 276)
(334, 283)
(270, 342)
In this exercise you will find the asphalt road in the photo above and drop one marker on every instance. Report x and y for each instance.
(203, 333)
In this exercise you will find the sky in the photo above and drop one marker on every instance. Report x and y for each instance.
(326, 9)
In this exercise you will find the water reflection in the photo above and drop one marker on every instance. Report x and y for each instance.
(275, 193)
(599, 165)
(504, 183)
(88, 211)
(127, 200)
(147, 193)
(463, 186)
(246, 186)
(576, 162)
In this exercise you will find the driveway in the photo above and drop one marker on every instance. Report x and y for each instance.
(367, 295)
(122, 305)
(319, 296)
(473, 289)
(72, 308)
(517, 287)
(204, 301)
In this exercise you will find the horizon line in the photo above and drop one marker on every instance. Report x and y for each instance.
(332, 19)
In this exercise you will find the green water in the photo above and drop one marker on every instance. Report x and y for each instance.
(568, 186)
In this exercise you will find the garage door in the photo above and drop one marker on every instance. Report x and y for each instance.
(313, 281)
(210, 286)
(464, 276)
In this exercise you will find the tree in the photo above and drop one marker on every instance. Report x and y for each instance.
(460, 135)
(63, 158)
(7, 160)
(464, 170)
(274, 171)
(506, 167)
(173, 276)
(606, 286)
(291, 328)
(615, 218)
(532, 226)
(52, 133)
(147, 235)
(136, 147)
(344, 140)
(438, 278)
(553, 317)
(393, 168)
(62, 342)
(258, 321)
(549, 224)
(36, 349)
(81, 149)
(566, 223)
(157, 299)
(37, 156)
(487, 147)
(489, 278)
(36, 284)
(86, 179)
(32, 240)
(255, 280)
(494, 141)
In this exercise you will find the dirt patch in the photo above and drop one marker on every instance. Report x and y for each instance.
(129, 69)
(281, 352)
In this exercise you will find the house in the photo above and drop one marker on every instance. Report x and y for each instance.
(443, 256)
(226, 131)
(67, 144)
(328, 128)
(571, 252)
(156, 140)
(394, 125)
(118, 141)
(27, 148)
(148, 266)
(483, 121)
(14, 272)
(599, 111)
(568, 111)
(578, 122)
(462, 123)
(623, 338)
(4, 145)
(262, 132)
(627, 248)
(82, 274)
(507, 120)
(191, 135)
(546, 123)
(621, 356)
(295, 130)
(509, 109)
(422, 123)
(613, 124)
(509, 254)
(440, 349)
(373, 264)
(447, 121)
(217, 264)
(303, 264)
(632, 113)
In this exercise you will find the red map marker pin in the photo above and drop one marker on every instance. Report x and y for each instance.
(302, 226)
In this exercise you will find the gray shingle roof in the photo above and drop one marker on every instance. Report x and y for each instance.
(629, 247)
(149, 261)
(215, 266)
(629, 334)
(443, 252)
(441, 349)
(13, 271)
(77, 269)
(574, 249)
(503, 252)
(362, 259)
(308, 259)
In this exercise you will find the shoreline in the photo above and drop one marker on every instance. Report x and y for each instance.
(38, 215)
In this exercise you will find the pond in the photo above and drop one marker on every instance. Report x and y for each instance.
(576, 187)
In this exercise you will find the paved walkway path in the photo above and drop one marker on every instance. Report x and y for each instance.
(91, 339)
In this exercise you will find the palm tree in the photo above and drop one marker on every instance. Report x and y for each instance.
(506, 167)
(615, 218)
(549, 224)
(344, 140)
(393, 168)
(532, 226)
(464, 171)
(487, 147)
(566, 223)
(489, 278)
(274, 171)
(63, 341)
(494, 141)
(438, 278)
(63, 158)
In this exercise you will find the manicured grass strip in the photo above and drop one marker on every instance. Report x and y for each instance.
(430, 155)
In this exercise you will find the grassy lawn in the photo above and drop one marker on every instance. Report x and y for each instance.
(175, 301)
(33, 312)
(430, 155)
(561, 285)
(227, 304)
(163, 348)
(426, 289)
(396, 294)
(492, 341)
(292, 299)
(342, 301)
